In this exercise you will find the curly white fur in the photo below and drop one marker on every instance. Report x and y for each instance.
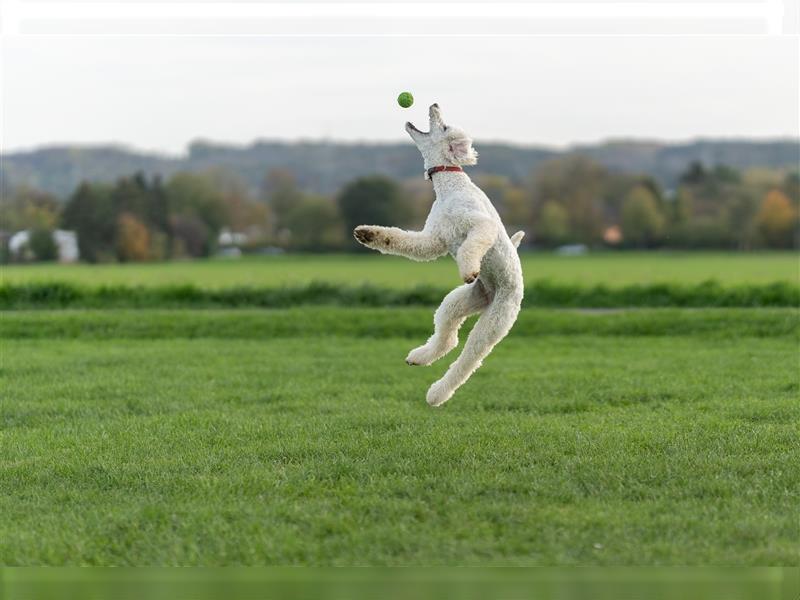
(463, 222)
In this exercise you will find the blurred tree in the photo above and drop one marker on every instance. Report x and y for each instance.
(791, 186)
(642, 222)
(281, 194)
(27, 208)
(652, 186)
(518, 211)
(742, 209)
(190, 236)
(552, 227)
(372, 201)
(419, 196)
(724, 174)
(132, 195)
(160, 244)
(89, 211)
(42, 245)
(777, 220)
(133, 239)
(695, 174)
(194, 198)
(582, 187)
(509, 200)
(315, 224)
(682, 208)
(702, 232)
(242, 212)
(763, 178)
(712, 191)
(720, 209)
(158, 219)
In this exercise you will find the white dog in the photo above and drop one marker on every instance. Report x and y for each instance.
(464, 223)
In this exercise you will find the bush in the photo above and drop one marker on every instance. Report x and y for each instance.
(537, 294)
(375, 200)
(42, 245)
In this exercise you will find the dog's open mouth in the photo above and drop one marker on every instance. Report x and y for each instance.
(411, 126)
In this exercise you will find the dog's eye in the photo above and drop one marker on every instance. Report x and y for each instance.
(444, 127)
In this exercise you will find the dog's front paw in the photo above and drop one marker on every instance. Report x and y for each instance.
(371, 237)
(469, 270)
(365, 235)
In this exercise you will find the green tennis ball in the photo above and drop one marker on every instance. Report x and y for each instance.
(405, 99)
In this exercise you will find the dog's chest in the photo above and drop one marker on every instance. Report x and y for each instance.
(445, 219)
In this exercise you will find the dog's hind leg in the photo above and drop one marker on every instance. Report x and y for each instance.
(493, 325)
(459, 304)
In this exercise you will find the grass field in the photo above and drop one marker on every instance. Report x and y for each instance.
(613, 269)
(160, 437)
(157, 436)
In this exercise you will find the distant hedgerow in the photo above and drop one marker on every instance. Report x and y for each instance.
(541, 293)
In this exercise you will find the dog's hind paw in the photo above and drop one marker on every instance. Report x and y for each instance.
(429, 353)
(438, 394)
(420, 357)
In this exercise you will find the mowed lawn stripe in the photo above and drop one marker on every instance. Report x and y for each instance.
(613, 269)
(315, 322)
(569, 449)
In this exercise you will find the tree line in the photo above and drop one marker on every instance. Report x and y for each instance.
(568, 200)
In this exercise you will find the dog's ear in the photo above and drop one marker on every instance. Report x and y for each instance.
(461, 152)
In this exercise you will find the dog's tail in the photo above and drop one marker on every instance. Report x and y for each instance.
(517, 238)
(492, 326)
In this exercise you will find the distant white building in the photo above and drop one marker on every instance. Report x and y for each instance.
(66, 242)
(231, 238)
(572, 250)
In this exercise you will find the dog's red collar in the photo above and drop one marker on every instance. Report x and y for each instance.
(429, 173)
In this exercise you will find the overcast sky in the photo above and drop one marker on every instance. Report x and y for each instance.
(159, 93)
